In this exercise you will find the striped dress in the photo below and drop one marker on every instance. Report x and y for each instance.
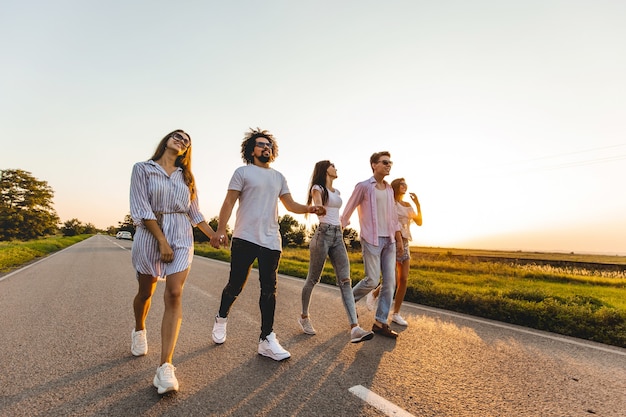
(152, 193)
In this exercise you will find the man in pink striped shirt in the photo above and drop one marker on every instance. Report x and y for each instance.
(380, 237)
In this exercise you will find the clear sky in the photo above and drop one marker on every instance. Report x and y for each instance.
(507, 118)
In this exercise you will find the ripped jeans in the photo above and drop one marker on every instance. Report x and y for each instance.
(328, 241)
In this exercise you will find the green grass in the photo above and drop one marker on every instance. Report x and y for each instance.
(14, 254)
(582, 296)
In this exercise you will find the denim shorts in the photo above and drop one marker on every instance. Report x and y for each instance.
(406, 255)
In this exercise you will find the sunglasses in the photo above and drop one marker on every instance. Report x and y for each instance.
(386, 162)
(182, 139)
(262, 145)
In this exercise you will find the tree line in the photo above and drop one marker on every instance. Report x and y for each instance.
(27, 212)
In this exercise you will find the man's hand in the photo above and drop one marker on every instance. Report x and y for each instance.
(219, 239)
(319, 210)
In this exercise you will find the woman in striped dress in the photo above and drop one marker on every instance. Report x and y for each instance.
(164, 209)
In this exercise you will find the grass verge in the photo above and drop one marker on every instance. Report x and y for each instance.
(587, 302)
(15, 254)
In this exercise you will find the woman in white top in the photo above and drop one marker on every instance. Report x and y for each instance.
(327, 241)
(403, 259)
(164, 208)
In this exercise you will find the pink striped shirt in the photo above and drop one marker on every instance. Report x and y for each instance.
(363, 199)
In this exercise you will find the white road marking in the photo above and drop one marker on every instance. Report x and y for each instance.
(378, 402)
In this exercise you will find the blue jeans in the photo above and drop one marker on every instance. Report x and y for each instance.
(328, 241)
(242, 256)
(377, 259)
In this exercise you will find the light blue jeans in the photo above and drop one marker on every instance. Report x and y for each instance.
(377, 259)
(328, 241)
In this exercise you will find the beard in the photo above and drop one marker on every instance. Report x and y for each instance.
(264, 159)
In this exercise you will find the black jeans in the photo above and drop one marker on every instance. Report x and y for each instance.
(242, 256)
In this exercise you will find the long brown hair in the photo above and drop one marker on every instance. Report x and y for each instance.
(183, 161)
(395, 184)
(319, 178)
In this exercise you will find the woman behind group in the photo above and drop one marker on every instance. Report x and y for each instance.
(403, 260)
(328, 242)
(163, 206)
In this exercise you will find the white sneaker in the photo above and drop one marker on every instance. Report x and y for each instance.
(165, 380)
(272, 349)
(370, 301)
(306, 325)
(397, 318)
(219, 330)
(139, 344)
(358, 334)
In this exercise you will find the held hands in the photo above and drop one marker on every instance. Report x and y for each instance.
(319, 210)
(219, 239)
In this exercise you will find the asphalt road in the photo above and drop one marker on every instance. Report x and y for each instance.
(65, 325)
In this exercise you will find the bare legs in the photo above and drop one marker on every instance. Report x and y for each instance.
(143, 299)
(402, 277)
(173, 314)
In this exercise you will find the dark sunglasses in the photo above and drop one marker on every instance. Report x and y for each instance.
(262, 145)
(386, 162)
(182, 139)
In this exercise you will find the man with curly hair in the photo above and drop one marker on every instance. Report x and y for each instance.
(256, 235)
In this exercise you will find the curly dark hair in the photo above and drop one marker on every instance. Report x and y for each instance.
(249, 142)
(183, 161)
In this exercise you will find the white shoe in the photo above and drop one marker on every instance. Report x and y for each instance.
(165, 380)
(306, 325)
(139, 344)
(370, 301)
(397, 318)
(272, 349)
(219, 330)
(358, 334)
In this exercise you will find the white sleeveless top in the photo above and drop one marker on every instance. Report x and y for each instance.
(332, 206)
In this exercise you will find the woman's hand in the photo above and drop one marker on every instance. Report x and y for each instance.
(399, 248)
(319, 210)
(167, 254)
(219, 239)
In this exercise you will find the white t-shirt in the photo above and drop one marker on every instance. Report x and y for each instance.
(332, 206)
(381, 212)
(257, 214)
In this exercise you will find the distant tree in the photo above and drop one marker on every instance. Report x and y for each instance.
(72, 228)
(26, 210)
(127, 225)
(291, 232)
(75, 227)
(90, 229)
(351, 238)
